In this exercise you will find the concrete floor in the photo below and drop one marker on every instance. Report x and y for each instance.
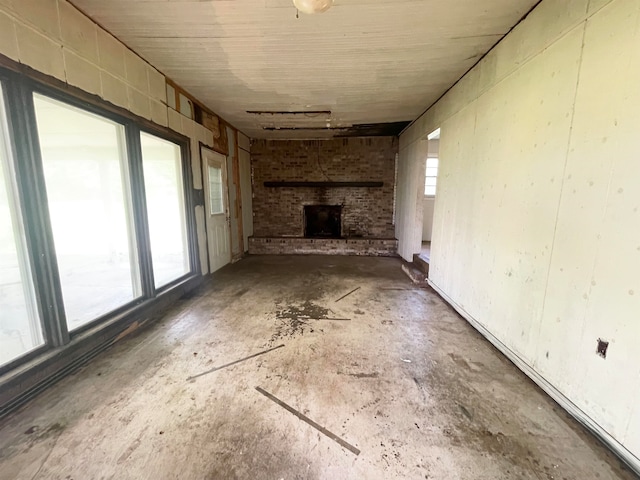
(406, 381)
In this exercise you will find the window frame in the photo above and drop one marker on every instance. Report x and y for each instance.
(426, 162)
(221, 210)
(23, 197)
(19, 84)
(187, 186)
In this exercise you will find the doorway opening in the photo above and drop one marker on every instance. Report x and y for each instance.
(430, 191)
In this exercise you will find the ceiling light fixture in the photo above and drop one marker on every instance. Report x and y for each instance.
(313, 6)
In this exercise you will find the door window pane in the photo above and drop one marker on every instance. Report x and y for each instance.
(86, 174)
(20, 329)
(163, 184)
(215, 190)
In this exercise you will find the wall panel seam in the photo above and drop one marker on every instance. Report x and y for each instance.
(562, 187)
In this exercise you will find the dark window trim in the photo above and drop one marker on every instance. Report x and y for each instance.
(20, 385)
(189, 204)
(107, 316)
(35, 221)
(20, 82)
(24, 358)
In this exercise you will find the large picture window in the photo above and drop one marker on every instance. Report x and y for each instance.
(88, 191)
(20, 328)
(163, 184)
(96, 224)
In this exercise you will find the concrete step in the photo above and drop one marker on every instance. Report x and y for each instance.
(421, 263)
(417, 276)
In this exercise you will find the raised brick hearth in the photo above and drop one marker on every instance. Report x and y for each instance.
(353, 176)
(323, 246)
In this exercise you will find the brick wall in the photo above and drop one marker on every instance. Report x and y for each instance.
(367, 212)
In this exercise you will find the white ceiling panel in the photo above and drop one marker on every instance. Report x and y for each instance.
(367, 61)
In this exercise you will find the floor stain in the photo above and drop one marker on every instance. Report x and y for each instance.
(294, 319)
(304, 310)
(423, 397)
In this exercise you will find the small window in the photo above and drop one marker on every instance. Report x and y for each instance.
(431, 178)
(216, 190)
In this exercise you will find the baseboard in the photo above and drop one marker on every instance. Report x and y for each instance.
(616, 447)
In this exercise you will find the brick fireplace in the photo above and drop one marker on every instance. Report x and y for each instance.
(322, 221)
(324, 196)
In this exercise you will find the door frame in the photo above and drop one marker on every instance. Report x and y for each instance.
(233, 182)
(205, 178)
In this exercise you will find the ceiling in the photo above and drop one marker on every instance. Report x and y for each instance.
(364, 61)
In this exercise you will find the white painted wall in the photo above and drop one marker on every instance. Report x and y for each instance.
(537, 225)
(55, 38)
(409, 196)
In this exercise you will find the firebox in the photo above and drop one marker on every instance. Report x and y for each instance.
(323, 221)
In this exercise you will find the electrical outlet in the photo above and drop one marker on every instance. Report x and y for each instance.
(602, 348)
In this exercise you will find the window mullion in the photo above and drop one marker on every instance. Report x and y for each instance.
(194, 252)
(37, 224)
(141, 221)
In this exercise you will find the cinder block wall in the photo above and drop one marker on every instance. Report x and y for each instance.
(367, 212)
(55, 38)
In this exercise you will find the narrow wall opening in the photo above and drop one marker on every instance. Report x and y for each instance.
(430, 190)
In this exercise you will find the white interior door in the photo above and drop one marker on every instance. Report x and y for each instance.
(216, 208)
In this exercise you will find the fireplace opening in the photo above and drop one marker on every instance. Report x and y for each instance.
(322, 221)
